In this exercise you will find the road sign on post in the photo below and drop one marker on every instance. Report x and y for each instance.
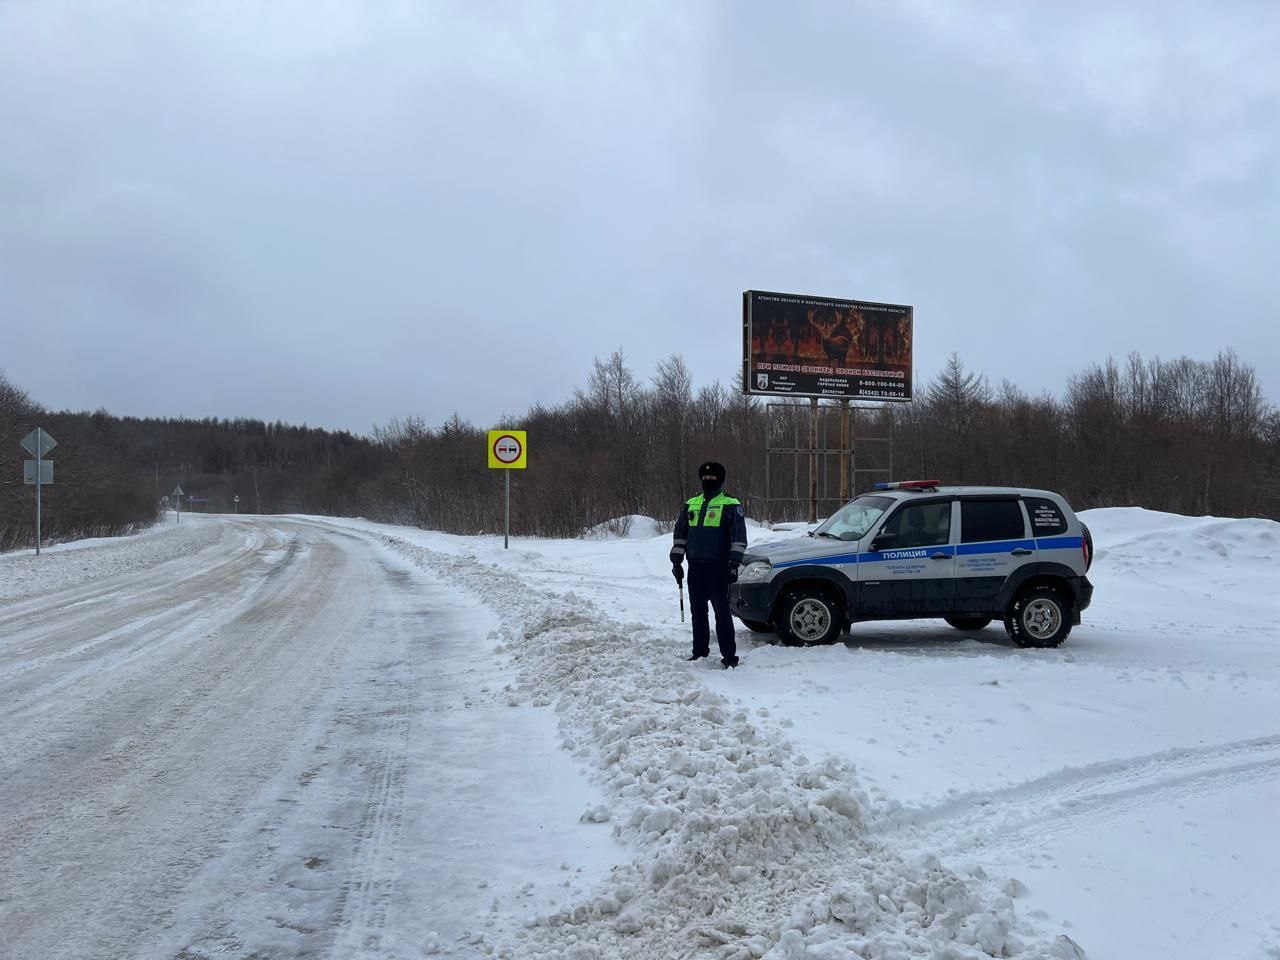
(236, 501)
(177, 503)
(38, 443)
(507, 451)
(39, 471)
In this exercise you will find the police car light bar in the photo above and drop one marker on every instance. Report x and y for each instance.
(908, 485)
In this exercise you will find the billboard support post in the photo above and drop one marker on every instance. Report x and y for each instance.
(844, 447)
(813, 459)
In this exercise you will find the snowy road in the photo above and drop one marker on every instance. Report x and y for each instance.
(234, 751)
(288, 737)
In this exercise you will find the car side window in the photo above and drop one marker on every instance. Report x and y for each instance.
(984, 520)
(921, 525)
(1046, 518)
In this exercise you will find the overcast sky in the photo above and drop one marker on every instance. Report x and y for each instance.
(340, 213)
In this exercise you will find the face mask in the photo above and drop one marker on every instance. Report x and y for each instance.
(710, 486)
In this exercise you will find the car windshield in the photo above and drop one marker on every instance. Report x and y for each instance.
(855, 518)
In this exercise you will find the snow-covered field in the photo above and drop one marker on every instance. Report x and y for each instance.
(279, 737)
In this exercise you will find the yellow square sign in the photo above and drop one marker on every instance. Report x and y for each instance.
(507, 450)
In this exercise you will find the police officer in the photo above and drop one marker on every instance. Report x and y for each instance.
(712, 533)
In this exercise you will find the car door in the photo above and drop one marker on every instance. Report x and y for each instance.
(912, 574)
(993, 544)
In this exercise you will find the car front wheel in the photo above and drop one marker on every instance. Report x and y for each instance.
(1039, 617)
(808, 617)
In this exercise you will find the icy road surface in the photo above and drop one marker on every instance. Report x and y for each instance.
(228, 739)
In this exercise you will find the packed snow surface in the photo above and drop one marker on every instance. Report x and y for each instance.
(282, 737)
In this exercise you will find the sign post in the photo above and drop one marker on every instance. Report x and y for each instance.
(507, 451)
(38, 471)
(177, 503)
(236, 501)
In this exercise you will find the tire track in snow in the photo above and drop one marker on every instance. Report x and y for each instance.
(1052, 805)
(363, 902)
(365, 898)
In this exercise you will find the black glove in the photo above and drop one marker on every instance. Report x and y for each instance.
(677, 571)
(733, 572)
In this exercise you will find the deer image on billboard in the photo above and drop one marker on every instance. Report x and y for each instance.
(806, 346)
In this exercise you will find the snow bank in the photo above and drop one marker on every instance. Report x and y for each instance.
(634, 527)
(1150, 534)
(25, 574)
(743, 847)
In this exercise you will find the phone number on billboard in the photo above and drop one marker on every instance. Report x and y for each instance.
(900, 392)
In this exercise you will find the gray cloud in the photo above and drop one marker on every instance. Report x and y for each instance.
(340, 213)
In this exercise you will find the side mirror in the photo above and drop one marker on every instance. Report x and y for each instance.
(884, 541)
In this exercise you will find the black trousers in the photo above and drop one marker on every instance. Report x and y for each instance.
(709, 583)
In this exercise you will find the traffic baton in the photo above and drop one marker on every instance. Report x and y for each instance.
(682, 601)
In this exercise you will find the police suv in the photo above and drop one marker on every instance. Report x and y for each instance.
(918, 549)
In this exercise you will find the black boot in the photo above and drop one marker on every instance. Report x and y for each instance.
(696, 656)
(729, 662)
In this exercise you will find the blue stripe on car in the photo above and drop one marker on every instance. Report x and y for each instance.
(1060, 543)
(963, 550)
(839, 558)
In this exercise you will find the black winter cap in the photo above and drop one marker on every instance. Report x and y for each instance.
(712, 469)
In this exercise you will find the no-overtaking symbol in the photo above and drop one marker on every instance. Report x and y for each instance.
(507, 448)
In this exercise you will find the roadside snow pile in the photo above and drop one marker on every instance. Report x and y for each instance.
(25, 574)
(1163, 559)
(744, 848)
(1149, 533)
(634, 527)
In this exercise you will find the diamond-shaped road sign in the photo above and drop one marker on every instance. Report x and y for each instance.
(38, 443)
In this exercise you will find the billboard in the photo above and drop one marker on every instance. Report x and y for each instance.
(803, 346)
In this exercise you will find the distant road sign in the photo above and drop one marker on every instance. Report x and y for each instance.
(38, 443)
(507, 450)
(29, 471)
(177, 491)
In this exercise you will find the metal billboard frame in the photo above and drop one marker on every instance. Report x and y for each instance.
(853, 436)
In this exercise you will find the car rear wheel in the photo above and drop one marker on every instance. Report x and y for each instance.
(1038, 617)
(968, 623)
(809, 616)
(758, 626)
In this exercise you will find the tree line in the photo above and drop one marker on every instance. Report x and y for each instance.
(1184, 436)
